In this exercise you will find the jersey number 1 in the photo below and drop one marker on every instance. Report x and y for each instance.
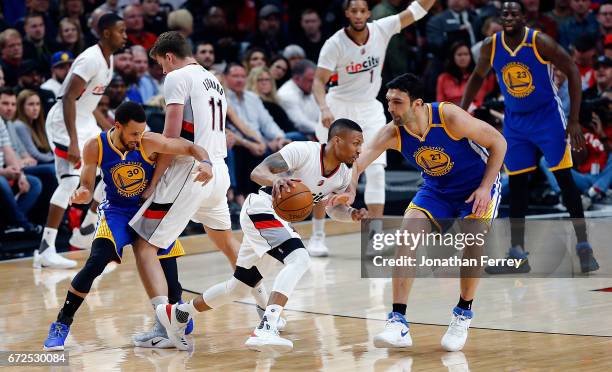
(212, 110)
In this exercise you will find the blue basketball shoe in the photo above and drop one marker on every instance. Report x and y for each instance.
(57, 336)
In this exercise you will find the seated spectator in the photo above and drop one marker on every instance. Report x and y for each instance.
(311, 37)
(116, 94)
(214, 28)
(452, 82)
(34, 45)
(60, 65)
(457, 23)
(182, 21)
(603, 79)
(2, 82)
(583, 53)
(490, 26)
(124, 66)
(269, 35)
(261, 83)
(604, 17)
(91, 35)
(134, 24)
(30, 78)
(30, 127)
(11, 55)
(279, 69)
(293, 53)
(18, 191)
(70, 36)
(75, 10)
(485, 9)
(205, 54)
(254, 57)
(109, 6)
(249, 107)
(155, 20)
(295, 96)
(535, 19)
(144, 83)
(561, 12)
(581, 23)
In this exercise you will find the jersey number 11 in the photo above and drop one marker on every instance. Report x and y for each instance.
(212, 111)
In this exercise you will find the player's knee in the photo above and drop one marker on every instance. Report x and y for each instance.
(375, 184)
(238, 289)
(61, 195)
(300, 259)
(102, 251)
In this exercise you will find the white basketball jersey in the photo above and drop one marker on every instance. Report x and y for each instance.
(305, 161)
(204, 109)
(90, 66)
(358, 68)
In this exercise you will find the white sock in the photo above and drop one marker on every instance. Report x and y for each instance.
(49, 235)
(272, 314)
(318, 227)
(188, 307)
(260, 294)
(592, 192)
(90, 219)
(159, 300)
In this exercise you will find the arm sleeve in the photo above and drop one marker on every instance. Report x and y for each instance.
(28, 143)
(389, 26)
(340, 213)
(85, 68)
(328, 57)
(268, 126)
(294, 154)
(176, 89)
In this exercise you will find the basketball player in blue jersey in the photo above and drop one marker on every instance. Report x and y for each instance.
(126, 156)
(460, 158)
(534, 122)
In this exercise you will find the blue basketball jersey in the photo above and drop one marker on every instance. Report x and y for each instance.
(525, 78)
(126, 175)
(449, 165)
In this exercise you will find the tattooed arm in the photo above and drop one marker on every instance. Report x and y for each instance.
(268, 174)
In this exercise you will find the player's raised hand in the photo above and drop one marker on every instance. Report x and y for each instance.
(327, 118)
(283, 183)
(203, 173)
(81, 196)
(481, 198)
(359, 214)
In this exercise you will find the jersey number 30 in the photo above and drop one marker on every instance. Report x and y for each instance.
(214, 117)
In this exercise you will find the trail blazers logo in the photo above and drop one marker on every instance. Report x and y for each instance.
(434, 161)
(129, 179)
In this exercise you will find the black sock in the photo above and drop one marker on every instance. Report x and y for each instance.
(71, 305)
(519, 202)
(572, 201)
(400, 308)
(463, 304)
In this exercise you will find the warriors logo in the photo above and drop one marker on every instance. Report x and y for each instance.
(518, 79)
(433, 160)
(129, 179)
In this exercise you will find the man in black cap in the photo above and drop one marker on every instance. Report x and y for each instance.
(603, 79)
(31, 78)
(268, 35)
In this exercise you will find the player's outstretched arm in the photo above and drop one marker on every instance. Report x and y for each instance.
(479, 74)
(267, 174)
(415, 11)
(460, 124)
(84, 193)
(553, 52)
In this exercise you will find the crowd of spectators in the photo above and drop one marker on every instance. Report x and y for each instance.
(265, 53)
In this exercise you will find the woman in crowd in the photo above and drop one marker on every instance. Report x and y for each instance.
(70, 36)
(254, 57)
(279, 69)
(452, 82)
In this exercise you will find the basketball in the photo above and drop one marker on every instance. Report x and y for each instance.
(295, 205)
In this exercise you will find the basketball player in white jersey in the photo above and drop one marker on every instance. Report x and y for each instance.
(267, 237)
(352, 61)
(195, 110)
(71, 123)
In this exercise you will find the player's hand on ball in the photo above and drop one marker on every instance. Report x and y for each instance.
(282, 184)
(203, 173)
(80, 196)
(327, 118)
(345, 198)
(359, 214)
(481, 198)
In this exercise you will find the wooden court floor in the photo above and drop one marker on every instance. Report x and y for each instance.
(520, 324)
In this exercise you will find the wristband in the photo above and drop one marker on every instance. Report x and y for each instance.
(417, 10)
(207, 162)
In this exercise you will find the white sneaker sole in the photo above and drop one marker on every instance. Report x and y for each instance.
(53, 348)
(384, 344)
(80, 241)
(179, 342)
(318, 254)
(450, 348)
(155, 343)
(259, 344)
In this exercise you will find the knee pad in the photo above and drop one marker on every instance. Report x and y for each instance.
(223, 293)
(61, 195)
(102, 252)
(99, 193)
(296, 265)
(249, 277)
(375, 184)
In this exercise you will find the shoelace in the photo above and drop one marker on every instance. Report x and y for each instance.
(457, 325)
(57, 331)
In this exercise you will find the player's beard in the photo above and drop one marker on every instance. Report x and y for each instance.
(359, 29)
